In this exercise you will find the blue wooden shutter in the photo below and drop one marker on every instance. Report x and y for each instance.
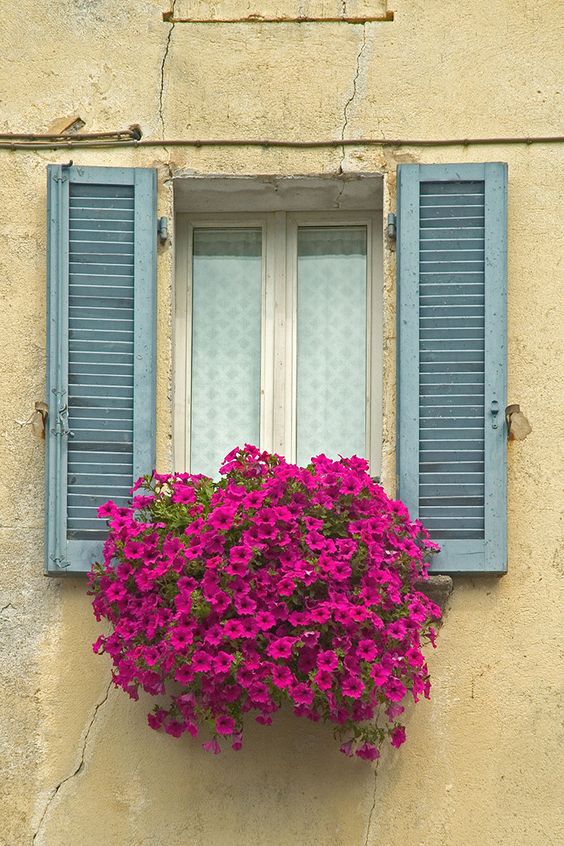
(452, 283)
(100, 350)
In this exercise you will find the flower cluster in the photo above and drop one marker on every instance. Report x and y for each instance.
(275, 584)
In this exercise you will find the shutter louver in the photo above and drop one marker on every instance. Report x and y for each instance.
(102, 274)
(451, 280)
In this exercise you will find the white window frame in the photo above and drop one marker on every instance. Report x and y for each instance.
(278, 324)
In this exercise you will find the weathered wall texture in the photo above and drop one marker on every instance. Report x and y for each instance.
(79, 766)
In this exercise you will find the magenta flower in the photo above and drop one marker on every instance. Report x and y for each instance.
(233, 629)
(352, 686)
(346, 748)
(212, 746)
(134, 549)
(380, 674)
(184, 674)
(327, 661)
(174, 728)
(324, 680)
(281, 648)
(240, 555)
(286, 587)
(244, 604)
(277, 584)
(265, 620)
(281, 676)
(368, 751)
(183, 494)
(397, 736)
(225, 725)
(397, 629)
(367, 650)
(222, 662)
(302, 694)
(222, 519)
(395, 690)
(181, 637)
(107, 510)
(201, 661)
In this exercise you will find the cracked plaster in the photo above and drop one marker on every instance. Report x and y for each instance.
(38, 839)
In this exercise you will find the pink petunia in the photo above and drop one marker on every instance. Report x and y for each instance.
(212, 746)
(264, 620)
(395, 690)
(222, 662)
(379, 674)
(225, 725)
(233, 629)
(201, 661)
(302, 694)
(367, 650)
(397, 736)
(222, 518)
(327, 661)
(324, 680)
(237, 742)
(184, 674)
(244, 604)
(352, 687)
(281, 676)
(181, 637)
(281, 647)
(346, 748)
(134, 549)
(368, 752)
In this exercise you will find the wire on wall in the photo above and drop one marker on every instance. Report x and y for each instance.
(131, 137)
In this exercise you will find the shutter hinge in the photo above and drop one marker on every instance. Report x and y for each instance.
(162, 229)
(391, 228)
(60, 563)
(64, 176)
(61, 427)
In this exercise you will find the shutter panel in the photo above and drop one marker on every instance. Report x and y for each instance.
(452, 272)
(101, 351)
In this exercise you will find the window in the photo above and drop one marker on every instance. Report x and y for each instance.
(278, 321)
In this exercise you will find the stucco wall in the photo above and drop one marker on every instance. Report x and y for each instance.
(482, 765)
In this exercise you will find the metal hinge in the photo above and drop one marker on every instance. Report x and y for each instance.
(60, 563)
(391, 228)
(61, 422)
(162, 229)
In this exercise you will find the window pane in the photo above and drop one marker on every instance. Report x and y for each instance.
(331, 341)
(226, 343)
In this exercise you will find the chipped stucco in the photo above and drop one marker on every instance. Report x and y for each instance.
(482, 766)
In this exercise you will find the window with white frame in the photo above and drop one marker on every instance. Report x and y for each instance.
(278, 335)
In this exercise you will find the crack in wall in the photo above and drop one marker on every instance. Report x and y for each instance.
(163, 63)
(373, 808)
(352, 97)
(76, 771)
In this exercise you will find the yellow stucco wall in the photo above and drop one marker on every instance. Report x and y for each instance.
(78, 766)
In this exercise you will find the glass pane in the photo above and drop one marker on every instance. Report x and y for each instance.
(226, 343)
(331, 341)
